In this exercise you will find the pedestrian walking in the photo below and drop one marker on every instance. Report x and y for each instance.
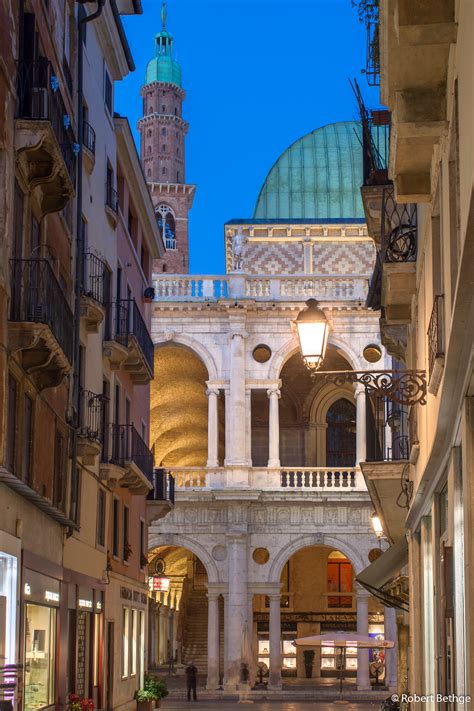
(191, 680)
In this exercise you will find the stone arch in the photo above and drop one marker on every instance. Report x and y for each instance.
(350, 551)
(157, 540)
(195, 346)
(321, 401)
(291, 347)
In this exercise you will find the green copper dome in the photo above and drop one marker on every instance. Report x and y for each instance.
(163, 67)
(318, 177)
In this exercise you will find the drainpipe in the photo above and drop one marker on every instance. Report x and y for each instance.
(79, 262)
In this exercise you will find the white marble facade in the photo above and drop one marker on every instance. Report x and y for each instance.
(225, 506)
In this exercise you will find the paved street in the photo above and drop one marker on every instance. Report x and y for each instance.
(270, 706)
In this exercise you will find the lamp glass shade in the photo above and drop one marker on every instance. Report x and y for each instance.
(313, 332)
(377, 525)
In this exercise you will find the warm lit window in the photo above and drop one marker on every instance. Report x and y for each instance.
(40, 654)
(339, 580)
(134, 643)
(125, 642)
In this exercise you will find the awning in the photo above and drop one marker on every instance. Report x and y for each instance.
(382, 571)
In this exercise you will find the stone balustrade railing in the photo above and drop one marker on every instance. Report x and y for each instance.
(176, 287)
(330, 479)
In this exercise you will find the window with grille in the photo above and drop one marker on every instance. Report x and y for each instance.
(341, 434)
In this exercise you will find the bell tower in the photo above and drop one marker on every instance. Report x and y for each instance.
(162, 151)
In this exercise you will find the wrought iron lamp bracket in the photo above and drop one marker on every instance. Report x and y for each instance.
(406, 387)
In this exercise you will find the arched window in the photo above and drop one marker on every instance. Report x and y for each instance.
(163, 131)
(175, 111)
(149, 132)
(163, 170)
(163, 147)
(339, 580)
(166, 225)
(150, 110)
(341, 434)
(149, 149)
(163, 108)
(149, 172)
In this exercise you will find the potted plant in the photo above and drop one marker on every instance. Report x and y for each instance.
(308, 656)
(79, 703)
(157, 687)
(144, 699)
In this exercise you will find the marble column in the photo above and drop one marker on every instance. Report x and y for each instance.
(236, 413)
(274, 428)
(363, 678)
(248, 424)
(236, 613)
(391, 655)
(212, 639)
(212, 427)
(275, 641)
(361, 425)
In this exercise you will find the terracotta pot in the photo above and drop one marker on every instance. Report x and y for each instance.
(145, 706)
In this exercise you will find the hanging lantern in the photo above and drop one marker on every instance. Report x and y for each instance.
(313, 331)
(377, 525)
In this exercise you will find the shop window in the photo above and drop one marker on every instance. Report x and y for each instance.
(101, 517)
(40, 637)
(341, 434)
(134, 633)
(8, 613)
(339, 580)
(125, 641)
(115, 528)
(12, 423)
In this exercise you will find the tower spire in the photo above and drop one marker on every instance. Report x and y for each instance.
(163, 16)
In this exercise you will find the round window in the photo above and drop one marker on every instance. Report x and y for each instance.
(261, 353)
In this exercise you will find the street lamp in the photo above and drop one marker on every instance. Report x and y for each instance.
(313, 329)
(377, 526)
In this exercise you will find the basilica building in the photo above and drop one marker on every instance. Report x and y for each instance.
(272, 518)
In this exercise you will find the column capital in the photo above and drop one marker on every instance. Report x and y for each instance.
(359, 389)
(274, 390)
(361, 592)
(212, 390)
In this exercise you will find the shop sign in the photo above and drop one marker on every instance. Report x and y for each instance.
(85, 604)
(159, 583)
(51, 596)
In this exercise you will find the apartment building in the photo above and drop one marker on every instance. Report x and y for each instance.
(78, 238)
(420, 217)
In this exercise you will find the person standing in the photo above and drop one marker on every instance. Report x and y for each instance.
(191, 680)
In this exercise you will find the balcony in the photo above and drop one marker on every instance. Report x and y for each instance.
(285, 481)
(128, 344)
(44, 139)
(127, 458)
(398, 279)
(91, 419)
(88, 146)
(436, 345)
(40, 322)
(389, 441)
(208, 288)
(95, 291)
(160, 499)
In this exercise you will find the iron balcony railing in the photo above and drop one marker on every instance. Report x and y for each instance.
(375, 144)
(88, 137)
(123, 444)
(111, 197)
(37, 297)
(91, 415)
(124, 321)
(436, 333)
(372, 66)
(388, 436)
(39, 99)
(398, 229)
(163, 486)
(96, 279)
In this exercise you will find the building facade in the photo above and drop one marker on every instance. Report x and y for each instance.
(79, 236)
(272, 521)
(419, 217)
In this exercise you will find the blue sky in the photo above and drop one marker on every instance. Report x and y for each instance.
(258, 74)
